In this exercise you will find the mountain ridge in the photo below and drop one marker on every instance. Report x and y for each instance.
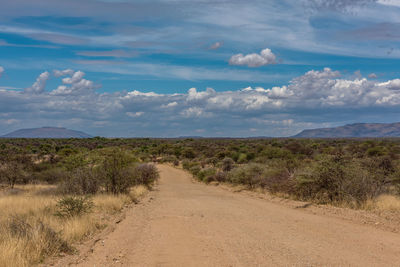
(354, 130)
(47, 132)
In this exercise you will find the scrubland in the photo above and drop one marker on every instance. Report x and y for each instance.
(47, 207)
(55, 193)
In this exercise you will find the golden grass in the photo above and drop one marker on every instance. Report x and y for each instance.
(384, 203)
(29, 231)
(388, 203)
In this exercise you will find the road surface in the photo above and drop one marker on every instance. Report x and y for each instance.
(191, 224)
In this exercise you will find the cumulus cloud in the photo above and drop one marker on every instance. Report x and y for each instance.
(193, 95)
(1, 70)
(392, 84)
(322, 94)
(77, 84)
(40, 84)
(266, 57)
(372, 76)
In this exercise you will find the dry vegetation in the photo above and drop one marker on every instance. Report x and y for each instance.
(50, 202)
(30, 231)
(57, 192)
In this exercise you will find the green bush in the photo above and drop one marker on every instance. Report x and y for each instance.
(207, 175)
(336, 180)
(117, 175)
(73, 206)
(250, 175)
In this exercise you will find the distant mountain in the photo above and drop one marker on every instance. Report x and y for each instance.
(354, 130)
(46, 132)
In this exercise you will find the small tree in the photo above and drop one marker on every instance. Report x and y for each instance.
(11, 172)
(117, 176)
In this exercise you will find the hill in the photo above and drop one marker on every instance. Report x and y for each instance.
(354, 130)
(47, 132)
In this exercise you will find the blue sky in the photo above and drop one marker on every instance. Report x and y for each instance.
(212, 68)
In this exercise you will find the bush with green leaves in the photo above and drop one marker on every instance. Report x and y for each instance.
(338, 180)
(249, 174)
(207, 175)
(73, 206)
(116, 171)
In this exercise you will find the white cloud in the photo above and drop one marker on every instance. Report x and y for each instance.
(1, 70)
(192, 112)
(77, 84)
(40, 84)
(170, 105)
(135, 114)
(390, 2)
(193, 95)
(266, 57)
(372, 76)
(392, 84)
(317, 93)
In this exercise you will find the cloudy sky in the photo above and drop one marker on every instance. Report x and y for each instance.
(166, 68)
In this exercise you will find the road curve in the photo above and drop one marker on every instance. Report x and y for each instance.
(191, 224)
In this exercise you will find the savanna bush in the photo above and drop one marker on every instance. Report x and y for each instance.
(338, 180)
(81, 181)
(146, 174)
(116, 171)
(207, 175)
(73, 206)
(249, 174)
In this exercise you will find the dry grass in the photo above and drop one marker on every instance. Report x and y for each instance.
(29, 231)
(384, 203)
(388, 203)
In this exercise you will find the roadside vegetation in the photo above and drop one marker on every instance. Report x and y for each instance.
(50, 200)
(56, 192)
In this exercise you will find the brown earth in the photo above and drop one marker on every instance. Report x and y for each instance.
(190, 224)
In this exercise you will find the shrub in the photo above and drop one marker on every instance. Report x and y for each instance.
(51, 176)
(278, 180)
(82, 181)
(194, 170)
(227, 164)
(206, 175)
(11, 173)
(250, 175)
(220, 176)
(118, 178)
(146, 174)
(73, 206)
(336, 180)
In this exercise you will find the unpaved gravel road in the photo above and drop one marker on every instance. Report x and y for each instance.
(191, 224)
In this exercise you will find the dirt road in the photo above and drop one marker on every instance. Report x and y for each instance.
(191, 224)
